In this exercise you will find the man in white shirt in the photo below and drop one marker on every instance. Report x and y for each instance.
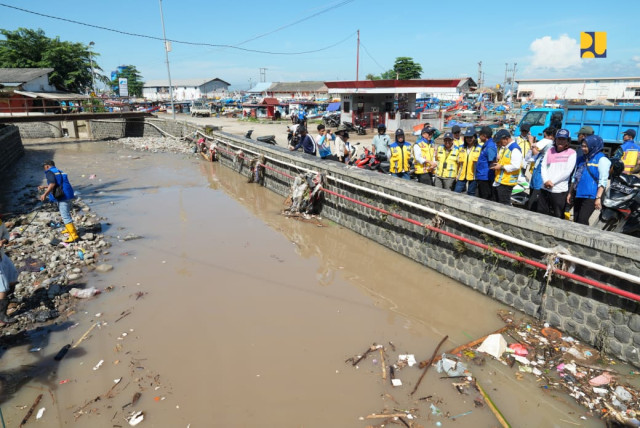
(507, 166)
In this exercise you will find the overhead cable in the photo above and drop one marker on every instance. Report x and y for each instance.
(126, 33)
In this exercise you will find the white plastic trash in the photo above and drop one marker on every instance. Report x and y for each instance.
(622, 394)
(494, 345)
(450, 365)
(410, 359)
(135, 418)
(84, 293)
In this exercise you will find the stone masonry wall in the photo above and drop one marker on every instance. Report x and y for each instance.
(11, 148)
(121, 128)
(40, 129)
(599, 318)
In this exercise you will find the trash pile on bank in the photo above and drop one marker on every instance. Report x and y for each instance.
(157, 144)
(558, 362)
(50, 270)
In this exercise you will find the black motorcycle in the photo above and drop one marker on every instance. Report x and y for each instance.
(621, 205)
(268, 139)
(358, 129)
(331, 119)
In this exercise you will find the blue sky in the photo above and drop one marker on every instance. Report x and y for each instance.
(447, 38)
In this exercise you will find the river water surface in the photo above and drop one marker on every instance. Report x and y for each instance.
(240, 317)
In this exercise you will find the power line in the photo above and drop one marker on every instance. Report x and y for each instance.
(296, 22)
(144, 36)
(372, 58)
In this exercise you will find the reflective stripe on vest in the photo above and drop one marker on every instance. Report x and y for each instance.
(467, 162)
(447, 162)
(504, 158)
(630, 160)
(400, 155)
(588, 185)
(426, 150)
(525, 146)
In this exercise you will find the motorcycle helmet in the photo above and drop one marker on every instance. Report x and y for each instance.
(399, 133)
(382, 127)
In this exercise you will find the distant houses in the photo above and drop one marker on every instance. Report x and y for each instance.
(185, 89)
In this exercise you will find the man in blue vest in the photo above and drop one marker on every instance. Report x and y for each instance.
(59, 190)
(484, 174)
(629, 152)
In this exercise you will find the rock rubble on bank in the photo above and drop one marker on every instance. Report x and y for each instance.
(157, 144)
(49, 267)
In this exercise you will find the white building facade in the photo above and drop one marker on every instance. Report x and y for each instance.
(580, 89)
(185, 89)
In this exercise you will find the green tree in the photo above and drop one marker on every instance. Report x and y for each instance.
(406, 68)
(134, 80)
(389, 74)
(71, 62)
(403, 69)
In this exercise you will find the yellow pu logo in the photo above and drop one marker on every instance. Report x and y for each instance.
(593, 44)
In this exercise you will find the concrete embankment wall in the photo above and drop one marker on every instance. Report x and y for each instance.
(51, 129)
(601, 319)
(11, 148)
(121, 128)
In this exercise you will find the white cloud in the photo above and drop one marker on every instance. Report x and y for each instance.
(555, 54)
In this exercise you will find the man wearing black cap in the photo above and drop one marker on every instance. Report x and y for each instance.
(458, 140)
(306, 142)
(484, 174)
(59, 190)
(506, 167)
(400, 156)
(628, 152)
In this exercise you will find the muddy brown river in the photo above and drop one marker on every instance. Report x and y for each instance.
(247, 317)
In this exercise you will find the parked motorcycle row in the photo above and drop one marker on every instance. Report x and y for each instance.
(333, 120)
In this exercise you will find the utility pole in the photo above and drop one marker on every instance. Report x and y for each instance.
(263, 74)
(513, 81)
(504, 83)
(166, 52)
(93, 74)
(479, 74)
(358, 58)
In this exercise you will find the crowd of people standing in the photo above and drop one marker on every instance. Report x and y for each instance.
(489, 165)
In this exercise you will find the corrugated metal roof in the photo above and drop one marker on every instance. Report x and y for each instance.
(260, 88)
(164, 83)
(21, 75)
(58, 96)
(308, 86)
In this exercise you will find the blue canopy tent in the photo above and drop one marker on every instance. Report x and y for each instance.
(333, 106)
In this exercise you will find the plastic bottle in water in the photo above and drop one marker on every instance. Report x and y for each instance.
(84, 293)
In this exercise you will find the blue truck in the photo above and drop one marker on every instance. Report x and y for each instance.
(609, 122)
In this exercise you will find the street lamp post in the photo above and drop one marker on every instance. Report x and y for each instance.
(166, 52)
